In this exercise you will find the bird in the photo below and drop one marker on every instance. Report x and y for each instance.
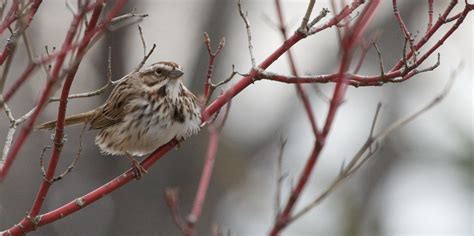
(145, 110)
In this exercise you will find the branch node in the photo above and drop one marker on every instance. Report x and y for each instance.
(34, 220)
(79, 202)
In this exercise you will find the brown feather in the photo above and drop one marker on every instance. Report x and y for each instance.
(70, 120)
(114, 109)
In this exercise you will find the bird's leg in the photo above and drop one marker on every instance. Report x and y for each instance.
(178, 142)
(138, 170)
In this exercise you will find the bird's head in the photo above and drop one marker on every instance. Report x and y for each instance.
(163, 77)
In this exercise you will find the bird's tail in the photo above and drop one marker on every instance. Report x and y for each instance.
(70, 120)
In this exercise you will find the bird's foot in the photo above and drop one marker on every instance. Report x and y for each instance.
(138, 169)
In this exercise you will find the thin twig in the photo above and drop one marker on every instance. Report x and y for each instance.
(304, 27)
(379, 54)
(171, 196)
(318, 18)
(430, 15)
(11, 132)
(142, 38)
(405, 30)
(121, 21)
(209, 86)
(279, 177)
(41, 160)
(145, 58)
(127, 16)
(244, 17)
(76, 159)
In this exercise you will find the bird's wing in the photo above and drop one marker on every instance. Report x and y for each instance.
(114, 109)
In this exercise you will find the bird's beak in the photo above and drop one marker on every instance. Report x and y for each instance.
(175, 74)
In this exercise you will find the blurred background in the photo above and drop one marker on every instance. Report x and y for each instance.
(420, 182)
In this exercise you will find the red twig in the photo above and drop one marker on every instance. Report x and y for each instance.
(193, 217)
(408, 36)
(171, 196)
(11, 17)
(208, 86)
(338, 29)
(430, 15)
(345, 12)
(350, 39)
(294, 71)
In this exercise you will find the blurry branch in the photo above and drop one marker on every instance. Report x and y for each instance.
(11, 132)
(171, 196)
(126, 20)
(304, 23)
(430, 15)
(351, 39)
(299, 88)
(188, 228)
(334, 9)
(279, 177)
(368, 150)
(364, 48)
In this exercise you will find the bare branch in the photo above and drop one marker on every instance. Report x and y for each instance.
(126, 20)
(379, 54)
(244, 17)
(366, 151)
(279, 177)
(145, 58)
(76, 159)
(142, 38)
(304, 27)
(171, 196)
(321, 15)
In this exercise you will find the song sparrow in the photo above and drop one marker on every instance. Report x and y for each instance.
(145, 110)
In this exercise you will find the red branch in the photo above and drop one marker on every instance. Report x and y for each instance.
(430, 14)
(193, 217)
(350, 39)
(11, 16)
(208, 167)
(210, 65)
(294, 71)
(59, 135)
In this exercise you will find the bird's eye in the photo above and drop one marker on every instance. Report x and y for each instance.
(159, 71)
